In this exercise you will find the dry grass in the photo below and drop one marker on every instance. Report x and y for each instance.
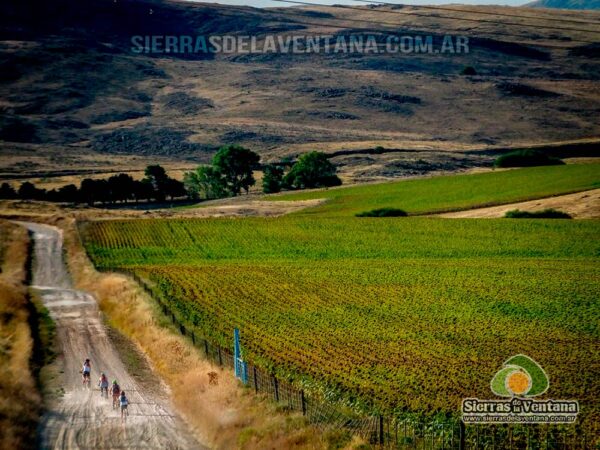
(580, 205)
(19, 398)
(224, 416)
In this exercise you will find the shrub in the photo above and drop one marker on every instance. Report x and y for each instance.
(526, 158)
(469, 70)
(383, 212)
(548, 213)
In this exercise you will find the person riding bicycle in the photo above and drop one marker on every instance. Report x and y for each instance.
(86, 371)
(103, 383)
(123, 402)
(115, 391)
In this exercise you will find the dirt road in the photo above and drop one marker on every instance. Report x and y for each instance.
(81, 419)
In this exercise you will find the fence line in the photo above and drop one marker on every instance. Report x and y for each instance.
(380, 430)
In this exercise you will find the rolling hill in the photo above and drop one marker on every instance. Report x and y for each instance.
(75, 94)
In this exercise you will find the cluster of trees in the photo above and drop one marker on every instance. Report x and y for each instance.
(312, 170)
(232, 171)
(156, 185)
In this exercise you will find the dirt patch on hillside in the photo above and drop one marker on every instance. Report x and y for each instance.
(233, 207)
(581, 205)
(236, 208)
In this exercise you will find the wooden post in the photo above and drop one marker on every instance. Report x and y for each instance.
(303, 402)
(220, 357)
(193, 338)
(206, 348)
(461, 442)
(380, 430)
(182, 329)
(276, 387)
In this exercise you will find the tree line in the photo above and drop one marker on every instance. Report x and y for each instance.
(230, 173)
(155, 186)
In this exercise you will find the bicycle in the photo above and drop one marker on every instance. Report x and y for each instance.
(86, 379)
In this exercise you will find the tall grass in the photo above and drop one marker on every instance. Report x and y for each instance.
(19, 399)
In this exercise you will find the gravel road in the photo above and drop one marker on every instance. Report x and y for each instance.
(81, 419)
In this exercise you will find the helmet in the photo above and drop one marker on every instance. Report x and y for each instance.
(87, 360)
(114, 381)
(102, 373)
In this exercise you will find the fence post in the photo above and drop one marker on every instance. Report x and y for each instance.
(173, 317)
(255, 380)
(461, 442)
(380, 430)
(276, 387)
(193, 336)
(443, 440)
(206, 348)
(220, 357)
(303, 402)
(182, 329)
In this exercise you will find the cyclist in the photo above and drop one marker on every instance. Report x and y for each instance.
(103, 383)
(115, 391)
(86, 371)
(123, 402)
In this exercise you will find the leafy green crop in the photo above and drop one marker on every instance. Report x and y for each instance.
(446, 193)
(398, 315)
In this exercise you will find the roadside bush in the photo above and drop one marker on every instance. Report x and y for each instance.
(549, 213)
(526, 158)
(383, 212)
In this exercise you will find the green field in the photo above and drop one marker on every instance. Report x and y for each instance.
(397, 314)
(449, 193)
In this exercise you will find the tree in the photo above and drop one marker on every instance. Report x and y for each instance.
(7, 191)
(205, 183)
(235, 164)
(28, 191)
(89, 191)
(312, 170)
(174, 188)
(68, 193)
(143, 190)
(121, 187)
(272, 179)
(157, 177)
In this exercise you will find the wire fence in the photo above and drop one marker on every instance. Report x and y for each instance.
(385, 431)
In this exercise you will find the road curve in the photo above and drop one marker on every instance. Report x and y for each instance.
(81, 419)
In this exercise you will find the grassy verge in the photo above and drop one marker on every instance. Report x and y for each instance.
(20, 402)
(224, 416)
(453, 192)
